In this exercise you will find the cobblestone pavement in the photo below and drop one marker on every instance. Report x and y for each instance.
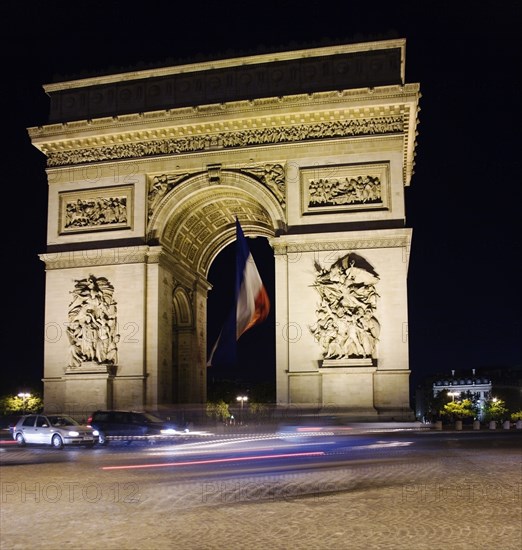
(465, 500)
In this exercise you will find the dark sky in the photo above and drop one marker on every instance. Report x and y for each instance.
(464, 201)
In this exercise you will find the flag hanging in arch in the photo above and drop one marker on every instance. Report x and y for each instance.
(252, 304)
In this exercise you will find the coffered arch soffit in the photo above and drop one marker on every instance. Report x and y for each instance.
(196, 220)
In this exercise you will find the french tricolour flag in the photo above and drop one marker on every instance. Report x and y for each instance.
(252, 304)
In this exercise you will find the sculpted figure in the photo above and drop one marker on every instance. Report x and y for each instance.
(346, 324)
(92, 323)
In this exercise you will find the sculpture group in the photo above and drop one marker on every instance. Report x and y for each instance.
(92, 327)
(346, 323)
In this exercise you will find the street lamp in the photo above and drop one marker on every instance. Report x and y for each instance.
(24, 397)
(241, 399)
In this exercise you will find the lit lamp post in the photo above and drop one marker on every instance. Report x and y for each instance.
(24, 397)
(241, 399)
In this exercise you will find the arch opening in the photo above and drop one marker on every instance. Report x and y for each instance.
(255, 371)
(196, 225)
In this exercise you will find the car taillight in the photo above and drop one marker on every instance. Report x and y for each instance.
(89, 420)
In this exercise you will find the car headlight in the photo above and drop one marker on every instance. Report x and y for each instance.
(73, 433)
(95, 432)
(168, 431)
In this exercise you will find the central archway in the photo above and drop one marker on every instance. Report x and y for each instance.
(194, 220)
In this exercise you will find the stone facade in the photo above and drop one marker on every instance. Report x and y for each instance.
(143, 195)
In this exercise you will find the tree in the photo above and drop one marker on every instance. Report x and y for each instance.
(218, 410)
(259, 411)
(435, 404)
(496, 410)
(458, 410)
(516, 416)
(13, 404)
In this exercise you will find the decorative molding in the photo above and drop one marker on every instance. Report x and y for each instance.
(214, 173)
(289, 247)
(97, 257)
(170, 122)
(346, 363)
(340, 128)
(109, 256)
(156, 255)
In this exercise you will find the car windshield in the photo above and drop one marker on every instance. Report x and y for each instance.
(62, 420)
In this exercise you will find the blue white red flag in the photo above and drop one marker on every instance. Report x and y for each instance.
(252, 304)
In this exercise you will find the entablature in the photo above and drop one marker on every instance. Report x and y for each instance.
(270, 121)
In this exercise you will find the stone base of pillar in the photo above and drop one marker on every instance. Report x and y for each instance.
(88, 387)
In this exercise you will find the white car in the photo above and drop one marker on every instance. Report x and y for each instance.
(53, 429)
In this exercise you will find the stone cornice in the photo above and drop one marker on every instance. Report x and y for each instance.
(285, 245)
(361, 102)
(103, 257)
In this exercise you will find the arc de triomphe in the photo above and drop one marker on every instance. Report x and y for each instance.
(147, 171)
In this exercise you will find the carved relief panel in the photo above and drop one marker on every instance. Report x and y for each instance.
(92, 323)
(96, 209)
(347, 326)
(332, 188)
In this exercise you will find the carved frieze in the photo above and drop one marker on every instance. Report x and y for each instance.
(230, 139)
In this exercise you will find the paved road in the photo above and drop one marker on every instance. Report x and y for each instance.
(444, 490)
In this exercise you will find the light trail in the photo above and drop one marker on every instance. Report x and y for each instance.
(213, 461)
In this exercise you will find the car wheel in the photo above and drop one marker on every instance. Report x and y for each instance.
(102, 440)
(57, 441)
(20, 440)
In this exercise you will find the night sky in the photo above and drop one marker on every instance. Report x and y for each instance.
(463, 204)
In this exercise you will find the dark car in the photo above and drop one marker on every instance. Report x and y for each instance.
(129, 425)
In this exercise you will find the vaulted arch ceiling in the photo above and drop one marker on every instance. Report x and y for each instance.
(197, 221)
